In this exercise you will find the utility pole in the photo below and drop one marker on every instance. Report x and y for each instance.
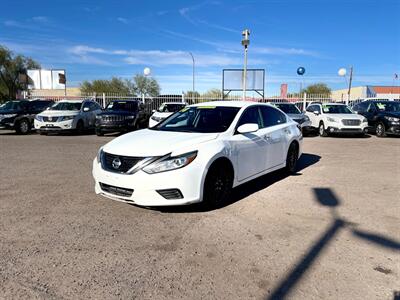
(350, 80)
(245, 43)
(193, 76)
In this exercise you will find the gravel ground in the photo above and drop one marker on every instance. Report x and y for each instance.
(330, 232)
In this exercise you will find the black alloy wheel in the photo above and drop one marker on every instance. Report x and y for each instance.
(217, 186)
(292, 158)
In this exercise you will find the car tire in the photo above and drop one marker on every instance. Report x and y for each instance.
(79, 127)
(217, 185)
(23, 126)
(321, 130)
(292, 158)
(380, 130)
(99, 132)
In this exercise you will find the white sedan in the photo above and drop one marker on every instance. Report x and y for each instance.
(198, 154)
(164, 111)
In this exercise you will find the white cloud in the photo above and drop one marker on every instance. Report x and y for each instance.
(40, 19)
(123, 20)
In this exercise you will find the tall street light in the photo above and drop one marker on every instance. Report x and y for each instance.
(193, 75)
(245, 43)
(342, 72)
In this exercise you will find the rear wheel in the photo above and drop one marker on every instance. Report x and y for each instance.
(380, 130)
(23, 126)
(321, 130)
(291, 159)
(218, 185)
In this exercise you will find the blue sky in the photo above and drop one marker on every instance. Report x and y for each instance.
(101, 39)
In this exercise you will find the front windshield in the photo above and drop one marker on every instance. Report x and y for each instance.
(66, 106)
(336, 109)
(12, 105)
(171, 107)
(123, 105)
(200, 119)
(288, 108)
(388, 106)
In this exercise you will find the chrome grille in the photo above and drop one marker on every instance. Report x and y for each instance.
(50, 119)
(113, 118)
(126, 162)
(351, 122)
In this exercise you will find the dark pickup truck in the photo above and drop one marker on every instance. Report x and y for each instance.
(121, 116)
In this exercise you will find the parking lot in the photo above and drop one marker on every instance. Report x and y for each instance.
(330, 232)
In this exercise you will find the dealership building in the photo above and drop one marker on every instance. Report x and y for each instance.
(367, 91)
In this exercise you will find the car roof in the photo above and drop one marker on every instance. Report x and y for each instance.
(280, 103)
(174, 103)
(72, 100)
(229, 103)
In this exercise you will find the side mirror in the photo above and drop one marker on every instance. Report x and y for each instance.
(86, 109)
(247, 128)
(316, 112)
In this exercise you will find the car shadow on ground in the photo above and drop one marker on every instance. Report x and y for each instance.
(248, 188)
(327, 198)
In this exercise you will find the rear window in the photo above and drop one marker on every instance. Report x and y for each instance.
(123, 105)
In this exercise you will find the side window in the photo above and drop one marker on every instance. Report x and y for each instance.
(272, 116)
(371, 107)
(318, 108)
(250, 115)
(94, 106)
(310, 108)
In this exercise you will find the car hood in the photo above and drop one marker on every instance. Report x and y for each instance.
(345, 116)
(390, 114)
(162, 114)
(53, 113)
(116, 113)
(149, 142)
(296, 116)
(9, 111)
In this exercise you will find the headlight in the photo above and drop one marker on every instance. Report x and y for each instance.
(98, 117)
(9, 115)
(170, 163)
(100, 155)
(332, 120)
(365, 120)
(392, 119)
(39, 118)
(65, 118)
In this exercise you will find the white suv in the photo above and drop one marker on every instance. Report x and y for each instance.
(198, 154)
(335, 118)
(67, 115)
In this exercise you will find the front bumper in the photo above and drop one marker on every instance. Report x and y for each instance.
(54, 126)
(115, 127)
(395, 129)
(340, 128)
(187, 180)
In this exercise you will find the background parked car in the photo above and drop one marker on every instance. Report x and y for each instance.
(383, 116)
(164, 111)
(18, 115)
(68, 115)
(121, 116)
(335, 118)
(293, 112)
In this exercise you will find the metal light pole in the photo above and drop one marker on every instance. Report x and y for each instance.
(342, 72)
(245, 43)
(193, 76)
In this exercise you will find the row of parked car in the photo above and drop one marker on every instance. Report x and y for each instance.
(374, 116)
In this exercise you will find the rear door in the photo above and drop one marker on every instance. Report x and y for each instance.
(274, 131)
(250, 149)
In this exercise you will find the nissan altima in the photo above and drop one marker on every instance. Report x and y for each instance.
(198, 154)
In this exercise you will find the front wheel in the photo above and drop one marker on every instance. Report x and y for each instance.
(321, 130)
(291, 159)
(217, 186)
(380, 130)
(99, 132)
